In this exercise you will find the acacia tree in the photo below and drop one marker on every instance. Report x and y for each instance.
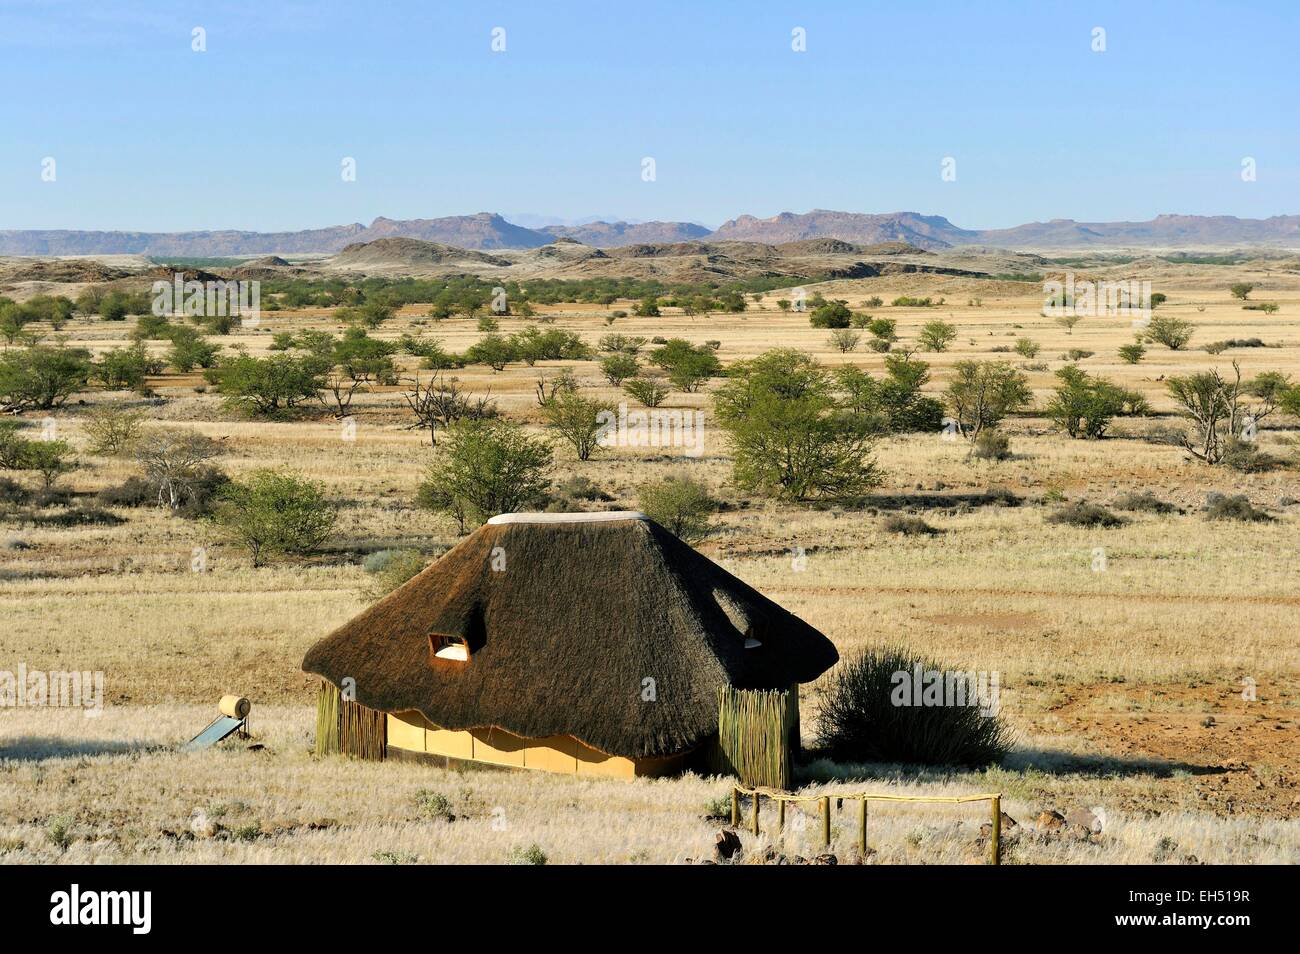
(1068, 320)
(42, 377)
(1219, 411)
(266, 385)
(272, 513)
(578, 420)
(982, 393)
(936, 335)
(1173, 333)
(792, 437)
(440, 403)
(688, 366)
(681, 504)
(485, 467)
(1083, 405)
(175, 462)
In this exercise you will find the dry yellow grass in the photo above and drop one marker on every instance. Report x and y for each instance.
(128, 798)
(1121, 665)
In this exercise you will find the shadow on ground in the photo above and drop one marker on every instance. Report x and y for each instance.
(40, 748)
(1041, 761)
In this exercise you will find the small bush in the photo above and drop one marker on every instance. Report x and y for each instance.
(530, 855)
(112, 430)
(79, 517)
(863, 720)
(1076, 354)
(579, 487)
(618, 367)
(833, 314)
(1083, 514)
(1132, 353)
(250, 832)
(649, 391)
(936, 335)
(270, 513)
(681, 505)
(1143, 502)
(908, 526)
(132, 492)
(434, 805)
(844, 340)
(718, 809)
(12, 492)
(53, 497)
(59, 832)
(1173, 333)
(1237, 507)
(999, 497)
(377, 561)
(991, 445)
(1245, 457)
(392, 572)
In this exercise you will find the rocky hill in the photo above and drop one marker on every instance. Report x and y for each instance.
(488, 231)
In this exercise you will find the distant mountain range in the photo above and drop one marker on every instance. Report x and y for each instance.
(488, 231)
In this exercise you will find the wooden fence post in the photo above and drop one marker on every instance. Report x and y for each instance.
(780, 814)
(996, 834)
(862, 827)
(756, 811)
(735, 806)
(826, 821)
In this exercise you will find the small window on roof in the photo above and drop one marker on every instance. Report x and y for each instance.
(452, 647)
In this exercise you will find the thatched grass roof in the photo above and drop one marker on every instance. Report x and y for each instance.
(562, 640)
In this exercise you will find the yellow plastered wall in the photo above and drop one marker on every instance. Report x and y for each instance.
(411, 732)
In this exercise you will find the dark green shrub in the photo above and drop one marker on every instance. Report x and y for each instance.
(79, 517)
(1143, 502)
(991, 445)
(132, 492)
(681, 505)
(1237, 507)
(861, 722)
(1083, 514)
(908, 526)
(833, 314)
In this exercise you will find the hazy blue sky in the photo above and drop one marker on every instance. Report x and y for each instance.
(147, 134)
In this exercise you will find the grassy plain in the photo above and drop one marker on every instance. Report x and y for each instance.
(1125, 685)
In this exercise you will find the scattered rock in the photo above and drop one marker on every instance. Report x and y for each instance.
(1208, 722)
(1084, 818)
(1009, 825)
(1050, 821)
(826, 859)
(726, 844)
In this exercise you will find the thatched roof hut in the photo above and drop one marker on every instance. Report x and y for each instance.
(596, 637)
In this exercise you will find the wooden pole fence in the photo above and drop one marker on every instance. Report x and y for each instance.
(824, 811)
